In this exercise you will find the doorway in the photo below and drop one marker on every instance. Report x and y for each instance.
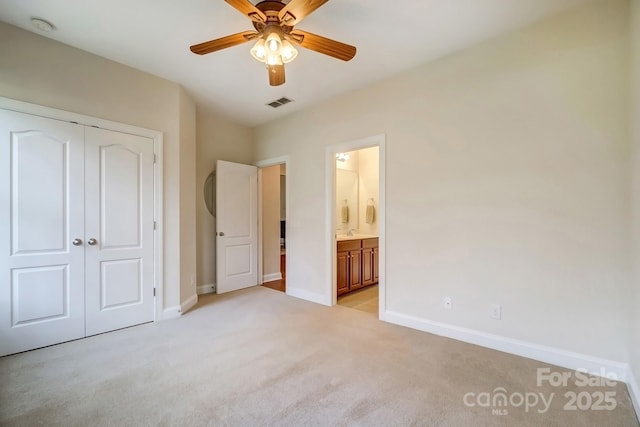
(272, 201)
(356, 218)
(357, 244)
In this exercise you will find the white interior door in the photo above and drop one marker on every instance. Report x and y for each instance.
(119, 230)
(41, 213)
(236, 226)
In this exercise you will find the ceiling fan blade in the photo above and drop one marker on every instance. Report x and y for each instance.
(248, 9)
(223, 43)
(323, 45)
(276, 74)
(297, 10)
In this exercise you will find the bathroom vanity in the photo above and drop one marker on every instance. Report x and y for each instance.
(357, 263)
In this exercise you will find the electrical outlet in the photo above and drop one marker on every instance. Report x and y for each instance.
(447, 303)
(495, 311)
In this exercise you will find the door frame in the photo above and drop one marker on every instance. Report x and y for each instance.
(330, 217)
(156, 136)
(260, 165)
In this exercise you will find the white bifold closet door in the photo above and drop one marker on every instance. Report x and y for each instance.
(76, 231)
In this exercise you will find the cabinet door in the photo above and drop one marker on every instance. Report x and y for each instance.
(343, 272)
(355, 266)
(367, 267)
(376, 263)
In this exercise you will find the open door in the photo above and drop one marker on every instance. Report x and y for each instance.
(236, 226)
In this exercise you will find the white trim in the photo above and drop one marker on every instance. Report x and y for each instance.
(308, 295)
(158, 212)
(551, 355)
(330, 225)
(209, 288)
(171, 312)
(271, 277)
(634, 390)
(188, 304)
(272, 162)
(260, 239)
(69, 116)
(158, 143)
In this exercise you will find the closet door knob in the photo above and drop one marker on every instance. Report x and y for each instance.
(221, 234)
(77, 242)
(92, 241)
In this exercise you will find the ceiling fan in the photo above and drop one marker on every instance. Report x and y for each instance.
(273, 21)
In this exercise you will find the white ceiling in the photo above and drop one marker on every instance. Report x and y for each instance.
(155, 35)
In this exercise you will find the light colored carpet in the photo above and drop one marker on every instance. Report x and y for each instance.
(259, 357)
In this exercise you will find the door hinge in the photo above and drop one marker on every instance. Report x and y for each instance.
(155, 158)
(154, 226)
(154, 292)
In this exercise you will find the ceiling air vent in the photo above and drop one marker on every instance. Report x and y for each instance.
(279, 102)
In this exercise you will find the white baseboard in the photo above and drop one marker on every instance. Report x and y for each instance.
(188, 304)
(634, 391)
(551, 355)
(308, 296)
(271, 277)
(209, 288)
(171, 312)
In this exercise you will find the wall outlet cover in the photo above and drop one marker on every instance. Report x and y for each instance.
(495, 311)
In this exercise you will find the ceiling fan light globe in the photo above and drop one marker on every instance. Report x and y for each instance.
(258, 51)
(289, 52)
(274, 44)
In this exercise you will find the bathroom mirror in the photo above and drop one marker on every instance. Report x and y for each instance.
(210, 193)
(346, 200)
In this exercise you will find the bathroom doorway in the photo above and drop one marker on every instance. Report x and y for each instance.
(356, 224)
(272, 207)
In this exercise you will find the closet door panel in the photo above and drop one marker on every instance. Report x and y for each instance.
(119, 228)
(41, 213)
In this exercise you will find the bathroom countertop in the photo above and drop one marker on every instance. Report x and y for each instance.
(343, 237)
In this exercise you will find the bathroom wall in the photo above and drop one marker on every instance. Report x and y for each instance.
(368, 188)
(364, 163)
(347, 171)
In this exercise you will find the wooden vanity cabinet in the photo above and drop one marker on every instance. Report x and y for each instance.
(349, 266)
(357, 264)
(343, 272)
(369, 247)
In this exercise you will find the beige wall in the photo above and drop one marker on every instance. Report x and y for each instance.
(41, 71)
(634, 301)
(506, 182)
(188, 254)
(217, 139)
(271, 222)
